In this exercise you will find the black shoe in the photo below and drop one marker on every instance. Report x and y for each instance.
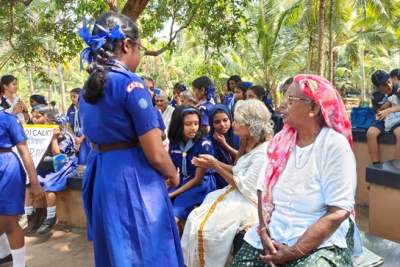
(47, 226)
(36, 220)
(6, 259)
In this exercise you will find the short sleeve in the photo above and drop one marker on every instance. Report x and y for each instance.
(204, 116)
(16, 132)
(206, 147)
(247, 181)
(160, 120)
(338, 183)
(140, 107)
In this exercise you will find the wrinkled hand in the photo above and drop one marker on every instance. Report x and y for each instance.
(205, 162)
(383, 114)
(36, 192)
(269, 248)
(220, 138)
(284, 254)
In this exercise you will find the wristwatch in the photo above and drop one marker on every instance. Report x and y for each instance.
(24, 111)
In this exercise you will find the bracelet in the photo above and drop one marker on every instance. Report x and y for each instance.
(262, 229)
(302, 253)
(25, 111)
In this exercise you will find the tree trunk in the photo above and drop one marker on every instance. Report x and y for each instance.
(321, 27)
(62, 88)
(331, 61)
(50, 97)
(133, 8)
(113, 5)
(31, 88)
(362, 76)
(310, 55)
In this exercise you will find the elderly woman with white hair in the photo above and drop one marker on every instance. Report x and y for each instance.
(166, 110)
(187, 98)
(211, 228)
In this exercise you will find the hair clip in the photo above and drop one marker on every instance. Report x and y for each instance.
(190, 109)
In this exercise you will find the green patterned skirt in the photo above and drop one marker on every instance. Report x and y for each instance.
(333, 256)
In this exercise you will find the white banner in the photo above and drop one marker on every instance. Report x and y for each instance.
(39, 137)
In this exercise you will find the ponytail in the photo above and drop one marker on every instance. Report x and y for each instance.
(105, 43)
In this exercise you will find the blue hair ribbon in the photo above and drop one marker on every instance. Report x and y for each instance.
(210, 92)
(61, 119)
(95, 42)
(38, 108)
(248, 84)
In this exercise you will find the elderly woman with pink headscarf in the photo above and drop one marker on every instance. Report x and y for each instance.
(307, 188)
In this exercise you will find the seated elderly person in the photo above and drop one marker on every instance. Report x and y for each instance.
(307, 187)
(211, 228)
(187, 98)
(166, 110)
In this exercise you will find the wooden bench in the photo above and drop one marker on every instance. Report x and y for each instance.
(384, 204)
(69, 204)
(386, 143)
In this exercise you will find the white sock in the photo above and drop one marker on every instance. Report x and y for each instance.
(18, 257)
(4, 246)
(51, 212)
(29, 210)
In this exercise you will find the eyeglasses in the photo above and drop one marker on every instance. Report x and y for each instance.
(289, 99)
(160, 100)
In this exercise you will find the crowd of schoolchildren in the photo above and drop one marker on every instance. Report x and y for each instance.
(69, 147)
(133, 208)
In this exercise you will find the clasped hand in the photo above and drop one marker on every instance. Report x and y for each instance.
(276, 253)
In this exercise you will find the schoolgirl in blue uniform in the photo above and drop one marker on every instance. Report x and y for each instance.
(129, 214)
(204, 92)
(240, 94)
(187, 141)
(224, 141)
(12, 187)
(82, 144)
(179, 88)
(52, 175)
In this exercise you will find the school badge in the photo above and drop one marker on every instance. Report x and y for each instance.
(134, 85)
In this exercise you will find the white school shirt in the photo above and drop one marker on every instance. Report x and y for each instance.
(12, 106)
(325, 176)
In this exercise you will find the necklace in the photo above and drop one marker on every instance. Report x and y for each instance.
(308, 151)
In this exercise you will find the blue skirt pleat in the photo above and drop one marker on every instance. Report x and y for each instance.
(185, 202)
(12, 184)
(129, 214)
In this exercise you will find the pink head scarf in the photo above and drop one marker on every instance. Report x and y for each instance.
(321, 91)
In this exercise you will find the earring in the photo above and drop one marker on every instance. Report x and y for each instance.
(311, 115)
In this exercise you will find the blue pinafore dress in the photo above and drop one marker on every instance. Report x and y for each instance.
(12, 173)
(185, 202)
(129, 214)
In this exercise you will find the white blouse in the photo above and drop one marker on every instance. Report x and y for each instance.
(12, 106)
(319, 175)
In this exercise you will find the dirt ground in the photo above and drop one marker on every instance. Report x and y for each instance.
(63, 247)
(67, 247)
